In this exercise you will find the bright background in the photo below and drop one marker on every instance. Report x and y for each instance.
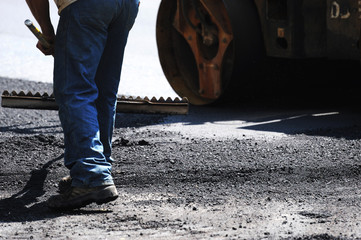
(141, 76)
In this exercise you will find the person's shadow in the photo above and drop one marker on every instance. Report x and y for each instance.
(25, 205)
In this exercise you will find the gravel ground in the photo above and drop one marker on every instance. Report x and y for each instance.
(172, 186)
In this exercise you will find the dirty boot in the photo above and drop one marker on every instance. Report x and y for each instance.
(64, 185)
(77, 197)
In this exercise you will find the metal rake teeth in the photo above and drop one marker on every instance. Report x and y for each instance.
(28, 94)
(122, 97)
(125, 104)
(154, 99)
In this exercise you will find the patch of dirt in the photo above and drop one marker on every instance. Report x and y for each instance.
(304, 186)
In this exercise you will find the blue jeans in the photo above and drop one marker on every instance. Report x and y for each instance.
(90, 41)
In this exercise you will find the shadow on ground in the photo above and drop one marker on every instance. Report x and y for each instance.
(26, 205)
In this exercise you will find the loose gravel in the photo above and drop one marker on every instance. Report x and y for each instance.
(305, 185)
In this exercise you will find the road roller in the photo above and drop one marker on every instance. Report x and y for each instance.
(209, 48)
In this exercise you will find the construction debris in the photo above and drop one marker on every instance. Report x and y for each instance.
(124, 104)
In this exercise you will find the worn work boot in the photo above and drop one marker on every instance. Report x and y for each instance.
(64, 185)
(80, 197)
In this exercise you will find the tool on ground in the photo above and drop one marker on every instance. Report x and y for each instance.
(37, 33)
(124, 104)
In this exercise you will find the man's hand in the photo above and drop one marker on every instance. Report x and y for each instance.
(40, 10)
(47, 51)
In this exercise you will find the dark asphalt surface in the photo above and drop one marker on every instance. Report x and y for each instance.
(174, 184)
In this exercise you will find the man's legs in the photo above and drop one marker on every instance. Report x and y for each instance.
(80, 42)
(109, 71)
(86, 107)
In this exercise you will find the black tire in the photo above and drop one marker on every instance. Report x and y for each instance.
(178, 62)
